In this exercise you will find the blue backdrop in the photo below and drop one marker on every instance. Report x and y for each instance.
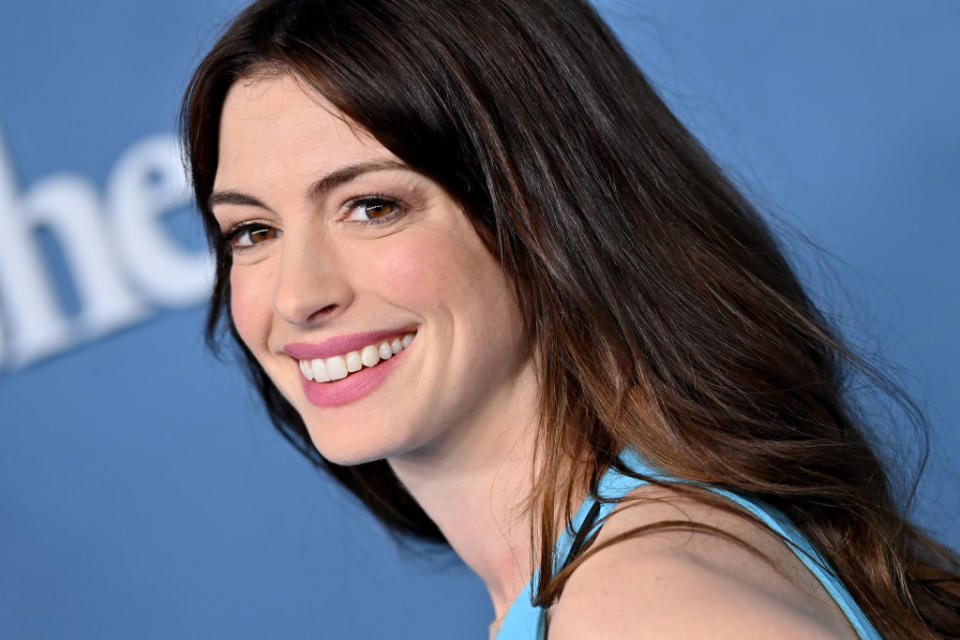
(142, 493)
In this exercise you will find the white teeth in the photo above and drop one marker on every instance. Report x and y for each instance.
(336, 368)
(306, 369)
(339, 367)
(370, 355)
(353, 361)
(319, 368)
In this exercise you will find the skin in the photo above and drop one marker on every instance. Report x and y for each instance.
(456, 418)
(692, 585)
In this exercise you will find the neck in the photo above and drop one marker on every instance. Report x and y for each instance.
(474, 486)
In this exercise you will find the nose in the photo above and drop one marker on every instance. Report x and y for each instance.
(310, 287)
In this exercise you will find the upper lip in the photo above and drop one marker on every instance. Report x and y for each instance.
(339, 345)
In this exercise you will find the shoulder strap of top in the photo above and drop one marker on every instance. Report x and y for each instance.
(614, 485)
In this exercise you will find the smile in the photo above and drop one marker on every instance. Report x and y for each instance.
(341, 366)
(337, 380)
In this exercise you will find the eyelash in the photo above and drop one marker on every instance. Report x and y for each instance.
(378, 200)
(229, 237)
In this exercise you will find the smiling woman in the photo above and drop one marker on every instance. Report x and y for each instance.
(481, 274)
(377, 281)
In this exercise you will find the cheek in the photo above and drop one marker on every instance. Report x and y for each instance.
(450, 276)
(250, 309)
(432, 268)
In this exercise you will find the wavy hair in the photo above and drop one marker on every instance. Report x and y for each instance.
(664, 313)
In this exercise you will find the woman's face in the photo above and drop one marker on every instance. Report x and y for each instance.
(339, 249)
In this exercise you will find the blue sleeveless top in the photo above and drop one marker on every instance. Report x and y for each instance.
(526, 622)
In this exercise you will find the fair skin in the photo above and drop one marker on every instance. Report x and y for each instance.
(386, 247)
(455, 419)
(693, 585)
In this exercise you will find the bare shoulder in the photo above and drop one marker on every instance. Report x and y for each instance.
(682, 584)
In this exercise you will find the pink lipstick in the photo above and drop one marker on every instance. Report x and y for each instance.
(340, 345)
(357, 384)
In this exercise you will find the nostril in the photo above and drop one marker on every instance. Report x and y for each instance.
(325, 311)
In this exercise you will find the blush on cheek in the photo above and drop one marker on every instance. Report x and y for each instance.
(434, 260)
(413, 268)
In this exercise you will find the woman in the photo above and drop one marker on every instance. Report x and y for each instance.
(482, 274)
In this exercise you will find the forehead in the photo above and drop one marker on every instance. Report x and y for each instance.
(273, 122)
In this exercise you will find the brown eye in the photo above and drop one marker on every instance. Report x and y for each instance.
(379, 210)
(248, 235)
(374, 210)
(259, 235)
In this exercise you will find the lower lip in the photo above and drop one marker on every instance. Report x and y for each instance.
(353, 387)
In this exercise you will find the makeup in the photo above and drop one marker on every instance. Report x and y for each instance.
(355, 386)
(346, 368)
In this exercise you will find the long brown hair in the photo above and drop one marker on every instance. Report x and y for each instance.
(664, 313)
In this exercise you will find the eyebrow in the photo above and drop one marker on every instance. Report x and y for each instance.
(317, 190)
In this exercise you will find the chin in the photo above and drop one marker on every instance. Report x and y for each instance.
(351, 446)
(348, 458)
